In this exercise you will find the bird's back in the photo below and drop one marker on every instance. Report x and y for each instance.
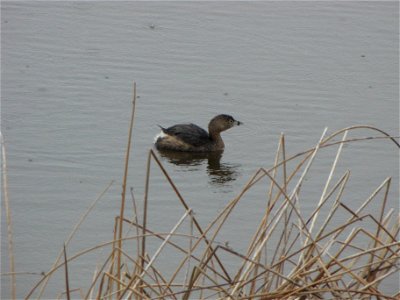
(188, 133)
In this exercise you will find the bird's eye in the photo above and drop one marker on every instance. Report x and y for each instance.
(231, 121)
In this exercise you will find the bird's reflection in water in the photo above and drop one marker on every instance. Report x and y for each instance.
(220, 174)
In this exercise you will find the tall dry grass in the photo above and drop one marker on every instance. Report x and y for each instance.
(335, 253)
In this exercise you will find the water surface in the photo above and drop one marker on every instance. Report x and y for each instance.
(290, 67)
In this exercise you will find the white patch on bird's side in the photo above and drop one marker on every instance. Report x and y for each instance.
(160, 135)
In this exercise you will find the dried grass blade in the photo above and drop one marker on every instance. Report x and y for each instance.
(128, 150)
(155, 255)
(66, 274)
(328, 181)
(9, 221)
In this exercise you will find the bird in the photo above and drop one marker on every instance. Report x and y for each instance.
(192, 138)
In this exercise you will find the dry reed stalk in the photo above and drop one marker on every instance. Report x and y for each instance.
(285, 233)
(125, 178)
(288, 256)
(159, 236)
(110, 284)
(121, 283)
(8, 220)
(60, 295)
(280, 151)
(190, 284)
(145, 201)
(318, 208)
(183, 202)
(114, 257)
(97, 276)
(66, 274)
(247, 266)
(74, 230)
(220, 288)
(328, 181)
(263, 224)
(161, 282)
(325, 143)
(145, 283)
(366, 202)
(265, 267)
(274, 172)
(380, 221)
(79, 254)
(100, 289)
(340, 186)
(361, 127)
(222, 216)
(135, 217)
(308, 235)
(297, 186)
(197, 271)
(156, 254)
(193, 289)
(367, 275)
(189, 252)
(21, 273)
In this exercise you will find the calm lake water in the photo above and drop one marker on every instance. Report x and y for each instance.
(291, 67)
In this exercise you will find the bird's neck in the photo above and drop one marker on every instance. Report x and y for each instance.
(217, 139)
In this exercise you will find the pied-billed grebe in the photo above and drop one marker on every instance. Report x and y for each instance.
(192, 138)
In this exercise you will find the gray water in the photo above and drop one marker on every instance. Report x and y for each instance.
(292, 67)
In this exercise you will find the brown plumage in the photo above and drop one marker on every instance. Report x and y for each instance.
(192, 138)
